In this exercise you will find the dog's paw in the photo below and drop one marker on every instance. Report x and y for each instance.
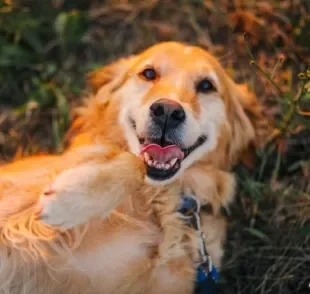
(53, 211)
(63, 204)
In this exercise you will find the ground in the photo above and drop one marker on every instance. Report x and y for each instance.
(47, 47)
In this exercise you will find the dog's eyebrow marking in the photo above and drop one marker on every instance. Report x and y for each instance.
(213, 77)
(147, 62)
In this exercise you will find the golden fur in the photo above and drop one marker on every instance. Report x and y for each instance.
(88, 222)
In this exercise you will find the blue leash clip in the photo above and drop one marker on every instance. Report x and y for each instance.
(202, 276)
(207, 275)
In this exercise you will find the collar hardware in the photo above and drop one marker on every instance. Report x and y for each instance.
(189, 211)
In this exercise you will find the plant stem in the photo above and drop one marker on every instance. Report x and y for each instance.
(292, 110)
(253, 62)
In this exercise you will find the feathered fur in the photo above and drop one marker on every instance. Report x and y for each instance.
(98, 227)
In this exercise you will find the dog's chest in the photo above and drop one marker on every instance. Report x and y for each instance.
(116, 254)
(110, 260)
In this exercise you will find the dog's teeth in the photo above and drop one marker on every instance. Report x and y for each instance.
(173, 161)
(159, 165)
(167, 166)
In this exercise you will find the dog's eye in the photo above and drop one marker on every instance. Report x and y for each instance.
(149, 74)
(204, 86)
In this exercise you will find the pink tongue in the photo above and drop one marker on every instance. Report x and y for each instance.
(163, 154)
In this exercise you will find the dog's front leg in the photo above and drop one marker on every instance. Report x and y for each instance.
(89, 190)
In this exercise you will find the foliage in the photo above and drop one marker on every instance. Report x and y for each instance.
(41, 58)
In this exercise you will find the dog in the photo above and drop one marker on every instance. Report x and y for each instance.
(103, 217)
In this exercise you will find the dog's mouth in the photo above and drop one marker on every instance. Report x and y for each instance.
(164, 159)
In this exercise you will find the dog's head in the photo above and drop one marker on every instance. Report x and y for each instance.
(174, 105)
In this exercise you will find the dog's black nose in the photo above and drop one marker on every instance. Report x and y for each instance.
(167, 113)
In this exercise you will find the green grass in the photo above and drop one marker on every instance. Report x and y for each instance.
(47, 47)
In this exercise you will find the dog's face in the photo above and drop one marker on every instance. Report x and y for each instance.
(175, 102)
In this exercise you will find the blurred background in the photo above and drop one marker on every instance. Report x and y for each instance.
(47, 48)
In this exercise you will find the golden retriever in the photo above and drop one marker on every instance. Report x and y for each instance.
(102, 217)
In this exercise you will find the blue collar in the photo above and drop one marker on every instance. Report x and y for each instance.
(190, 211)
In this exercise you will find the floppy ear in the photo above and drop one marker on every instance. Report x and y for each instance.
(103, 81)
(248, 125)
(111, 76)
